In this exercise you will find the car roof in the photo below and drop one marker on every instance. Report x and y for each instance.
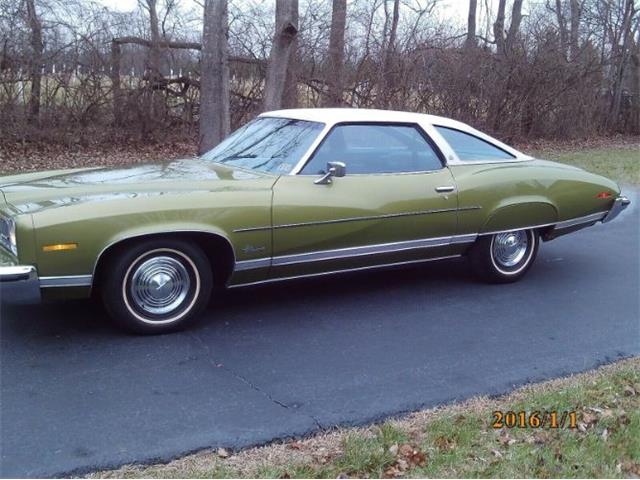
(335, 115)
(331, 116)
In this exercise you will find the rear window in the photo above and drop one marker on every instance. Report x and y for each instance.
(470, 148)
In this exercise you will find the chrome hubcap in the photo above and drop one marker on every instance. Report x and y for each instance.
(159, 285)
(510, 248)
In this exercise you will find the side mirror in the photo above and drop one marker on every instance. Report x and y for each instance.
(334, 169)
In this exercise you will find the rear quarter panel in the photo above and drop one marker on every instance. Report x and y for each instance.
(526, 193)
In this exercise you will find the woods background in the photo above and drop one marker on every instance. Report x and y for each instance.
(75, 72)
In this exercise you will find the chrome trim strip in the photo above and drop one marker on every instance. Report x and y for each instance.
(16, 273)
(579, 221)
(350, 252)
(468, 238)
(355, 219)
(252, 264)
(66, 281)
(559, 225)
(346, 270)
(360, 251)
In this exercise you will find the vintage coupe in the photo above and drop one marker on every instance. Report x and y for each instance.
(294, 193)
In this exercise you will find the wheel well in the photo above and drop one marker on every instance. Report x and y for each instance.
(217, 249)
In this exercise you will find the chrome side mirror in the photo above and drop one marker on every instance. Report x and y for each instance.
(334, 169)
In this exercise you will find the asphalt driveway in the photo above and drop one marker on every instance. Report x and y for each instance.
(290, 359)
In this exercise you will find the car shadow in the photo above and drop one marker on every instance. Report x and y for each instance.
(22, 315)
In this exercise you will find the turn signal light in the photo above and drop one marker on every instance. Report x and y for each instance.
(603, 195)
(59, 246)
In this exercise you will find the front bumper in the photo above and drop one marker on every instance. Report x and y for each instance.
(17, 273)
(619, 204)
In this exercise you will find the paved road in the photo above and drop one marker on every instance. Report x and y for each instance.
(287, 360)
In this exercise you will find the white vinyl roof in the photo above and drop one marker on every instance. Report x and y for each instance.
(335, 115)
(331, 116)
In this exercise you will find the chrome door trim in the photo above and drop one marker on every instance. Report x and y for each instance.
(66, 281)
(346, 270)
(351, 252)
(358, 219)
(594, 217)
(252, 264)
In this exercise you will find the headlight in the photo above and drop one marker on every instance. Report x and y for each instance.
(8, 234)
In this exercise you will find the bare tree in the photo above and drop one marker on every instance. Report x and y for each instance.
(154, 50)
(498, 27)
(335, 69)
(514, 26)
(37, 47)
(622, 61)
(277, 79)
(388, 53)
(574, 41)
(471, 24)
(214, 76)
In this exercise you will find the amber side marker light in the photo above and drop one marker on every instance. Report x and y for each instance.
(603, 195)
(59, 246)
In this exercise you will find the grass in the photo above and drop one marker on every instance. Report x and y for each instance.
(456, 441)
(618, 163)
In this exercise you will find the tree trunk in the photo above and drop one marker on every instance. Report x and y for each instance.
(214, 76)
(471, 24)
(622, 61)
(277, 79)
(574, 45)
(389, 54)
(562, 27)
(335, 69)
(154, 51)
(498, 27)
(37, 48)
(116, 91)
(514, 27)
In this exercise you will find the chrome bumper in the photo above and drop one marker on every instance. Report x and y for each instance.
(17, 273)
(619, 205)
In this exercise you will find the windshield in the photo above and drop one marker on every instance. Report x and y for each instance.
(267, 144)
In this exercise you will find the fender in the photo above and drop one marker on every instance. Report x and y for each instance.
(520, 212)
(169, 229)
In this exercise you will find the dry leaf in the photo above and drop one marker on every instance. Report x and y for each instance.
(444, 443)
(589, 418)
(496, 453)
(222, 452)
(505, 439)
(393, 449)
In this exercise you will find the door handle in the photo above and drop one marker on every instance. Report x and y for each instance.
(446, 189)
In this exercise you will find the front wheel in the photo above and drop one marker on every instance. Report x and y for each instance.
(504, 257)
(157, 286)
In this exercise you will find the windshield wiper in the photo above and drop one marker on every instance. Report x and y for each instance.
(238, 157)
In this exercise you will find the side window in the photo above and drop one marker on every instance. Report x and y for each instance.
(374, 149)
(471, 148)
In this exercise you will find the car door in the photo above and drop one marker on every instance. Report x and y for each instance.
(397, 203)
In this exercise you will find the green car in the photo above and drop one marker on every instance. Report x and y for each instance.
(294, 193)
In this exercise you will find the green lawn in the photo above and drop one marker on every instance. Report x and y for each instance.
(619, 164)
(458, 441)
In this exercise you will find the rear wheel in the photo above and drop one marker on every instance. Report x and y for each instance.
(504, 257)
(157, 286)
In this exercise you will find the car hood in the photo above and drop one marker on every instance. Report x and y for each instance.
(33, 192)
